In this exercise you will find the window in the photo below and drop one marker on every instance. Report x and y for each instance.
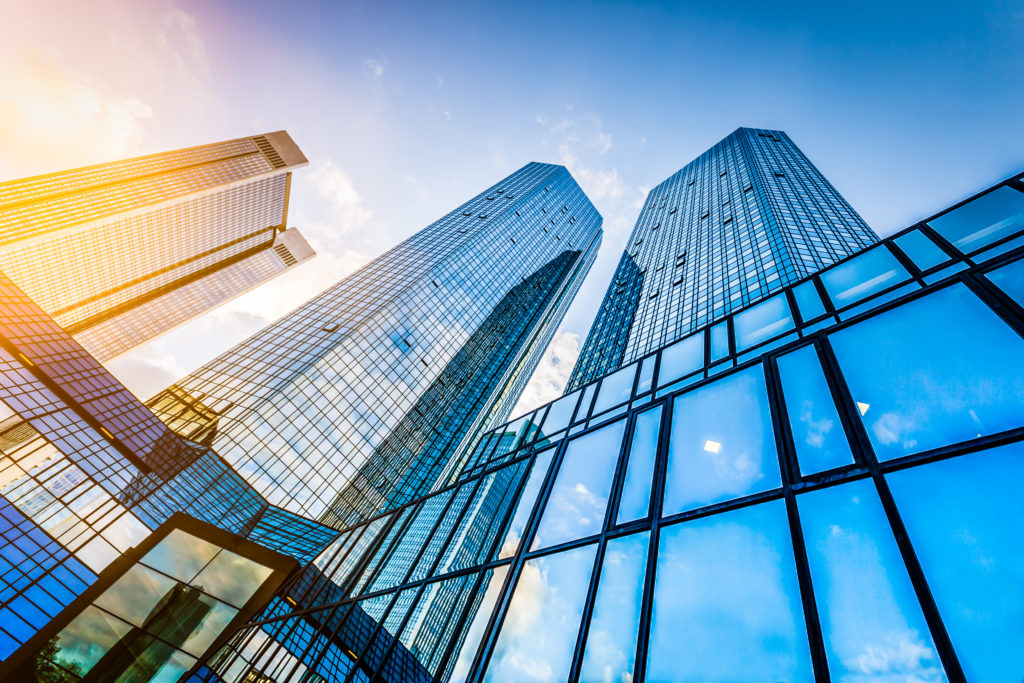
(615, 389)
(870, 272)
(759, 323)
(808, 301)
(981, 222)
(525, 506)
(922, 251)
(720, 341)
(1010, 279)
(681, 358)
(635, 499)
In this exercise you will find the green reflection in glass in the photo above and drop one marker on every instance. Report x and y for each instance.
(232, 578)
(180, 555)
(89, 636)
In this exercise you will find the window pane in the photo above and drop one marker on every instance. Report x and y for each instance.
(767, 319)
(646, 375)
(681, 358)
(808, 301)
(861, 276)
(963, 518)
(83, 642)
(983, 221)
(180, 555)
(721, 446)
(933, 372)
(491, 588)
(232, 578)
(616, 388)
(870, 618)
(817, 431)
(611, 640)
(922, 251)
(720, 341)
(727, 601)
(539, 631)
(579, 498)
(560, 413)
(1010, 279)
(136, 593)
(635, 500)
(526, 502)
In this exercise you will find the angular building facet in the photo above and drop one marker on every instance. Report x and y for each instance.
(746, 218)
(367, 395)
(119, 253)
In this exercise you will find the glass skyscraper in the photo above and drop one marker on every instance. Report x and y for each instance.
(746, 218)
(360, 398)
(121, 252)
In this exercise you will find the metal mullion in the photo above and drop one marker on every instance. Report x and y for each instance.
(378, 625)
(389, 552)
(461, 624)
(940, 637)
(455, 527)
(904, 260)
(956, 450)
(576, 660)
(376, 674)
(1008, 310)
(786, 449)
(944, 244)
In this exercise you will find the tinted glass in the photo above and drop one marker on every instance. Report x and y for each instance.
(681, 358)
(983, 221)
(935, 371)
(721, 444)
(232, 578)
(817, 432)
(922, 251)
(560, 413)
(611, 641)
(526, 501)
(180, 555)
(635, 499)
(1010, 279)
(727, 602)
(808, 301)
(719, 341)
(133, 596)
(963, 517)
(871, 621)
(767, 319)
(616, 388)
(579, 497)
(646, 375)
(872, 271)
(539, 631)
(477, 620)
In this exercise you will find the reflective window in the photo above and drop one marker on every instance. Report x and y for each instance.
(611, 640)
(872, 271)
(560, 413)
(180, 555)
(963, 517)
(491, 588)
(720, 340)
(635, 499)
(579, 497)
(808, 301)
(681, 358)
(588, 394)
(646, 375)
(922, 251)
(767, 319)
(871, 621)
(727, 601)
(935, 371)
(538, 634)
(721, 444)
(232, 577)
(522, 514)
(1010, 279)
(983, 221)
(817, 432)
(616, 388)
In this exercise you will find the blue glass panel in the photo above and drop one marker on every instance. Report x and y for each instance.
(646, 375)
(560, 413)
(615, 389)
(719, 341)
(870, 618)
(935, 371)
(1010, 279)
(721, 445)
(1008, 245)
(579, 497)
(525, 506)
(983, 221)
(681, 358)
(480, 614)
(892, 295)
(635, 499)
(584, 410)
(727, 601)
(872, 271)
(808, 301)
(611, 641)
(943, 273)
(767, 319)
(922, 251)
(538, 634)
(963, 517)
(817, 432)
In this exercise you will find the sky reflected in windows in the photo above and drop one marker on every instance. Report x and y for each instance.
(681, 358)
(491, 588)
(727, 602)
(1010, 279)
(922, 251)
(635, 499)
(963, 517)
(768, 319)
(722, 445)
(983, 221)
(871, 621)
(808, 301)
(526, 501)
(616, 388)
(933, 372)
(870, 272)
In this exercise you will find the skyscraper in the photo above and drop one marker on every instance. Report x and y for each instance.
(746, 218)
(121, 252)
(360, 399)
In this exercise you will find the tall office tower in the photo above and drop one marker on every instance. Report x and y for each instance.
(746, 218)
(368, 394)
(829, 486)
(121, 252)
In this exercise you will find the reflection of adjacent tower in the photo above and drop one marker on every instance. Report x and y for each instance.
(121, 252)
(461, 398)
(307, 402)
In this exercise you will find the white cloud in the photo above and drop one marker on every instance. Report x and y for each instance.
(144, 376)
(374, 70)
(552, 374)
(344, 206)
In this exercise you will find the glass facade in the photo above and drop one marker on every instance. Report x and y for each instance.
(121, 252)
(741, 221)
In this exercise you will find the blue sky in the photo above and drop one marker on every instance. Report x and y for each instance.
(407, 109)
